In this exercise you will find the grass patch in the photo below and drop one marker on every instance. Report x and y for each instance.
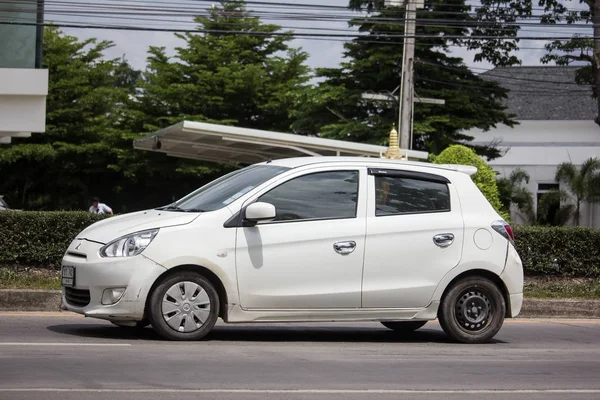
(562, 288)
(29, 278)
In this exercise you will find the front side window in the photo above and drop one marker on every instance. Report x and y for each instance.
(323, 195)
(399, 195)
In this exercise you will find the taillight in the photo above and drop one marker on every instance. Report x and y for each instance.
(503, 228)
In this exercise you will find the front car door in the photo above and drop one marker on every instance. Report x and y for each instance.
(311, 255)
(414, 237)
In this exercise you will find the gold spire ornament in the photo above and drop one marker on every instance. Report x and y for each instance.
(393, 151)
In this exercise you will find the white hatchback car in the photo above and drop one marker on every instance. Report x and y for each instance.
(306, 239)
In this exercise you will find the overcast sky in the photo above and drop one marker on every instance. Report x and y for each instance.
(133, 44)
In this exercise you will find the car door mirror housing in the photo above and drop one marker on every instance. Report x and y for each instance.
(259, 211)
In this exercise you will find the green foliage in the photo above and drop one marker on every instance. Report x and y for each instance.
(561, 251)
(335, 109)
(39, 238)
(97, 107)
(485, 178)
(511, 192)
(224, 78)
(554, 208)
(583, 182)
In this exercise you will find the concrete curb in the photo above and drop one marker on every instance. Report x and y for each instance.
(560, 308)
(29, 300)
(49, 300)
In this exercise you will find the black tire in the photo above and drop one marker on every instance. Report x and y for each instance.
(472, 310)
(403, 326)
(155, 313)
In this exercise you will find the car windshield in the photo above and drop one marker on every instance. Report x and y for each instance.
(223, 191)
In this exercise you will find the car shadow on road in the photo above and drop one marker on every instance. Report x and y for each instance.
(263, 333)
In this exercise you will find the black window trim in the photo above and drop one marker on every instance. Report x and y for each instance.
(237, 220)
(421, 176)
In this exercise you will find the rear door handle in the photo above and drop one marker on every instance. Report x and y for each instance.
(443, 239)
(344, 247)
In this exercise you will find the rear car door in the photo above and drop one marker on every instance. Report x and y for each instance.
(414, 237)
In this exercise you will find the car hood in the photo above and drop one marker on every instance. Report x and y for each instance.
(114, 227)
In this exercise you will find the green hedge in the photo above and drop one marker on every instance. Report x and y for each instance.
(39, 239)
(561, 251)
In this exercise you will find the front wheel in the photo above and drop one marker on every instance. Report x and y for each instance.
(184, 306)
(403, 326)
(472, 311)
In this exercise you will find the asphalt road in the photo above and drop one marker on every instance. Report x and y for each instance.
(53, 356)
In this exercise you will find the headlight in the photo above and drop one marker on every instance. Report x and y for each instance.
(130, 245)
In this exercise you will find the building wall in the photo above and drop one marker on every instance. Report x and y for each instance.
(22, 102)
(538, 147)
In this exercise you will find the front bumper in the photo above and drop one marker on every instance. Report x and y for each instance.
(95, 274)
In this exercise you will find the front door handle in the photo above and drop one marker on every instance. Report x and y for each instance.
(344, 247)
(443, 239)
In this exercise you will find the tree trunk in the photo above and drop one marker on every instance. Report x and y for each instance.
(577, 211)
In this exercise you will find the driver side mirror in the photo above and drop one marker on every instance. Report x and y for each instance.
(258, 211)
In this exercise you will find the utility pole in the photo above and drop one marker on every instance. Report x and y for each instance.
(407, 85)
(408, 56)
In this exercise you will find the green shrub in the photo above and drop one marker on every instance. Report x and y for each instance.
(485, 178)
(39, 238)
(561, 251)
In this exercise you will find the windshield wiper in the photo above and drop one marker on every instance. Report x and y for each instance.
(177, 208)
(171, 208)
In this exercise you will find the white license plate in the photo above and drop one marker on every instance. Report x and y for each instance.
(68, 276)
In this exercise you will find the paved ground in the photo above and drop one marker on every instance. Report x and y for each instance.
(53, 356)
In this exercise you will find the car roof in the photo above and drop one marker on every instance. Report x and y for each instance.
(380, 162)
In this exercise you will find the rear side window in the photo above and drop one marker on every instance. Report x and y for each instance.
(400, 195)
(324, 195)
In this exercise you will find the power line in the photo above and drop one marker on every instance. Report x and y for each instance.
(296, 34)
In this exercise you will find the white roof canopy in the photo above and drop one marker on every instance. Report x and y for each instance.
(233, 145)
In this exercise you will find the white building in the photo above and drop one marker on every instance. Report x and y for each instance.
(23, 84)
(556, 124)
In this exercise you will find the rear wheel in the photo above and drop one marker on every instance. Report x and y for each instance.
(184, 306)
(403, 326)
(472, 311)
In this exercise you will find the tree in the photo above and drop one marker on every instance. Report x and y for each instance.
(511, 192)
(484, 178)
(500, 21)
(56, 169)
(583, 182)
(87, 147)
(373, 63)
(223, 77)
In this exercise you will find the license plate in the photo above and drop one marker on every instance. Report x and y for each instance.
(68, 276)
